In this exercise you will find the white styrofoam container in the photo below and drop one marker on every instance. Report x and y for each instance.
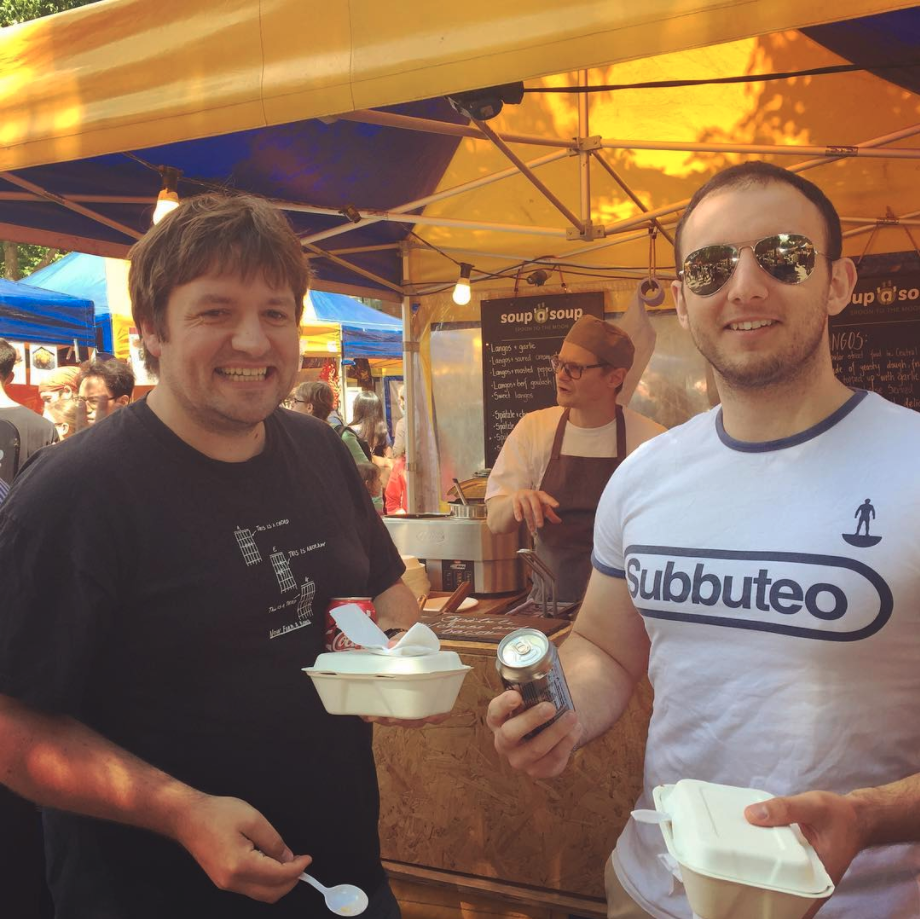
(362, 683)
(731, 868)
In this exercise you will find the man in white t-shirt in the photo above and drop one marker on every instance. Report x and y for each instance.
(783, 647)
(553, 467)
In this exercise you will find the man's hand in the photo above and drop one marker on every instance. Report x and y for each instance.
(239, 849)
(544, 756)
(534, 507)
(828, 821)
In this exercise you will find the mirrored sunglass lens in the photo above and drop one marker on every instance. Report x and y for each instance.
(788, 257)
(707, 270)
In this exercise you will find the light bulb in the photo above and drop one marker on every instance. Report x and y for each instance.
(166, 201)
(462, 292)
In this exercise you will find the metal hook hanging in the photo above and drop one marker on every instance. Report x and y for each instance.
(650, 290)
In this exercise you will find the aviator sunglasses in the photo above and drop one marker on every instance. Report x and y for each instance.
(787, 257)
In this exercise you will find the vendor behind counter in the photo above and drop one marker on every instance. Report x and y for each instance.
(555, 464)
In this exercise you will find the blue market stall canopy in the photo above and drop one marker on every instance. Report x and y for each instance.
(366, 332)
(33, 314)
(318, 168)
(83, 276)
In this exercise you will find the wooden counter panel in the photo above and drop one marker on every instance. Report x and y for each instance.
(447, 802)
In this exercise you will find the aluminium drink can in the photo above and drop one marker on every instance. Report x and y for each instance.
(336, 640)
(529, 663)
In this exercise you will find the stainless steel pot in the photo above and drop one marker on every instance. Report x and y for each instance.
(473, 510)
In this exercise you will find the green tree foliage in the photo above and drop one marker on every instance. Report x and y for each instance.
(15, 11)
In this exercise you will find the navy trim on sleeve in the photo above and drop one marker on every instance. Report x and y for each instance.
(606, 569)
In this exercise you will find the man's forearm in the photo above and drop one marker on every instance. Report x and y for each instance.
(600, 687)
(889, 814)
(396, 607)
(500, 511)
(59, 762)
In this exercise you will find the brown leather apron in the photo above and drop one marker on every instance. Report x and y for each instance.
(577, 483)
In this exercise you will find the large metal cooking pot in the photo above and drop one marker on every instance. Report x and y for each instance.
(472, 510)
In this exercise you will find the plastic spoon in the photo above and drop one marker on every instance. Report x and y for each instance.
(343, 899)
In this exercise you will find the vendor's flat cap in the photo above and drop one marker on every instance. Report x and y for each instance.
(606, 341)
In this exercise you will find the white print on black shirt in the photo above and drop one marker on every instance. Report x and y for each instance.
(301, 596)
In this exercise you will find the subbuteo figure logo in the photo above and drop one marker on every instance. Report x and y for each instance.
(541, 313)
(864, 513)
(886, 292)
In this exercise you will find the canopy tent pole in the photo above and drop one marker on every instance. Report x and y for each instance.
(432, 126)
(884, 222)
(438, 196)
(584, 158)
(70, 205)
(894, 221)
(521, 165)
(430, 221)
(81, 199)
(352, 267)
(410, 356)
(630, 194)
(830, 152)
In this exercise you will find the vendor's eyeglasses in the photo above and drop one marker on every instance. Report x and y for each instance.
(573, 371)
(787, 257)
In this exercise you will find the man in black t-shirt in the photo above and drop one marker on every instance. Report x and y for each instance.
(152, 691)
(34, 432)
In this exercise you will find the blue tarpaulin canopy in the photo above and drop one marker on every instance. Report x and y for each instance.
(82, 276)
(34, 314)
(366, 332)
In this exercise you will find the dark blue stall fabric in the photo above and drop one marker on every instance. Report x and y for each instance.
(366, 332)
(307, 162)
(79, 275)
(33, 314)
(885, 39)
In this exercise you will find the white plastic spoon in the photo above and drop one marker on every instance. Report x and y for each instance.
(343, 899)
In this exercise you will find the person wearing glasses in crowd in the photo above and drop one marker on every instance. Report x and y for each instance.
(152, 694)
(106, 386)
(784, 651)
(554, 465)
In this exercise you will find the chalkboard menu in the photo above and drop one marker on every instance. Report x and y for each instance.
(875, 341)
(519, 335)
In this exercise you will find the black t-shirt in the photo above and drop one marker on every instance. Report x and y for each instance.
(169, 601)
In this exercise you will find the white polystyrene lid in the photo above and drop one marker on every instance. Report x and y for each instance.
(366, 662)
(710, 835)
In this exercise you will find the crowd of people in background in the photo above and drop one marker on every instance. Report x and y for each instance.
(380, 459)
(73, 397)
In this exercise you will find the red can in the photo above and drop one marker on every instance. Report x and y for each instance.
(335, 640)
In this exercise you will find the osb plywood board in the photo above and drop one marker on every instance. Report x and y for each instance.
(418, 901)
(448, 802)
